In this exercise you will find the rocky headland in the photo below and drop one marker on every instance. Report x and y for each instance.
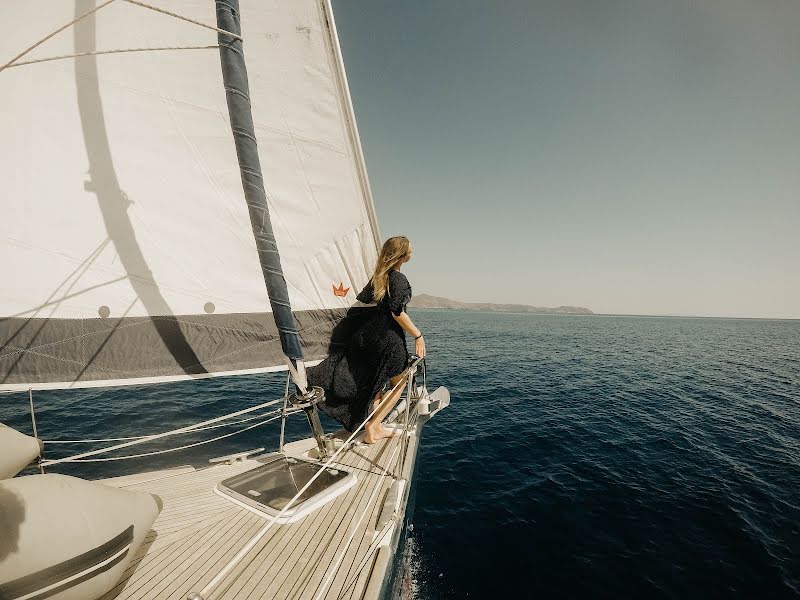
(427, 301)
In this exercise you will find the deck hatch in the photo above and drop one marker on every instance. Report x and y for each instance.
(268, 488)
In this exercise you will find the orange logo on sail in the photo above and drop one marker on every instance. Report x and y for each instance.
(341, 290)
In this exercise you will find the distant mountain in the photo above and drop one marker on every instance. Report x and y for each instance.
(426, 301)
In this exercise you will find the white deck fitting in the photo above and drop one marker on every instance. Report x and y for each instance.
(198, 531)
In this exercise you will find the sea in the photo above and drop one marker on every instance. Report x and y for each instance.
(581, 456)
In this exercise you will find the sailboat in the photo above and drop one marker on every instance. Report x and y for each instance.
(185, 196)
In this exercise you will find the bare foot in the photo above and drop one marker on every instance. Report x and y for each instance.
(378, 432)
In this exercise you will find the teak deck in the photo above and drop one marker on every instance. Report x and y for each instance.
(198, 531)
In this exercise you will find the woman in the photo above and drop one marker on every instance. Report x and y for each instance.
(368, 348)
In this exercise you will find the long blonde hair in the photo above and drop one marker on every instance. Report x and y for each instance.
(394, 253)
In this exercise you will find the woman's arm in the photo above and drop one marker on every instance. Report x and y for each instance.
(408, 325)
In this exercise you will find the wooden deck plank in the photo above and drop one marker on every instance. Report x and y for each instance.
(206, 564)
(270, 556)
(363, 538)
(352, 584)
(198, 532)
(378, 459)
(328, 532)
(175, 556)
(129, 480)
(163, 556)
(301, 534)
(179, 557)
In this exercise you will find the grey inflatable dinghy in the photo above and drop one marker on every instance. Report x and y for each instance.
(65, 538)
(17, 450)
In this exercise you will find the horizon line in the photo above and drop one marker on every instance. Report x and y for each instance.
(606, 314)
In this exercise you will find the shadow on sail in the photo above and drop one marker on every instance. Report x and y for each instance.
(114, 203)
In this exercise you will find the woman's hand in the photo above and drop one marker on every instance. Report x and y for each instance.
(419, 347)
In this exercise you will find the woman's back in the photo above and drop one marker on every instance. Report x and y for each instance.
(368, 347)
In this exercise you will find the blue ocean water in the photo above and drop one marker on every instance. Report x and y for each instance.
(593, 456)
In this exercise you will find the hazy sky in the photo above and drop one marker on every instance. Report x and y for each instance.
(631, 156)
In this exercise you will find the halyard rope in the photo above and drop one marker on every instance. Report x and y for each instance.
(101, 52)
(14, 60)
(182, 18)
(57, 31)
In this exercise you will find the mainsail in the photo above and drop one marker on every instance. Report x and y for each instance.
(126, 248)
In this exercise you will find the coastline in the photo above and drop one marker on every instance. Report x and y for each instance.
(593, 314)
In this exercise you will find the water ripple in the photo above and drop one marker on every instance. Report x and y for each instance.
(582, 457)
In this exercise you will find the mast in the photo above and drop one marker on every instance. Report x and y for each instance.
(237, 92)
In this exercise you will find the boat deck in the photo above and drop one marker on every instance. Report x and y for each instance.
(198, 531)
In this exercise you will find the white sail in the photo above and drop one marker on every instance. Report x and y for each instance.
(126, 250)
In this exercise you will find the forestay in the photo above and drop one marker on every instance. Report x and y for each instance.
(127, 251)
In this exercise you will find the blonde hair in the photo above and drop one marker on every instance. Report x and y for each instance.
(394, 253)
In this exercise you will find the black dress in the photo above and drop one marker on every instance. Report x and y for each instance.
(367, 348)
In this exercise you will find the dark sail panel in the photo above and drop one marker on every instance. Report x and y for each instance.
(47, 353)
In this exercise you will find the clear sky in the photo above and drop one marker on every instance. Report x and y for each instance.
(629, 156)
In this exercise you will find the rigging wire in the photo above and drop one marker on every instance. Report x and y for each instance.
(140, 437)
(332, 570)
(166, 450)
(188, 428)
(13, 61)
(284, 413)
(376, 543)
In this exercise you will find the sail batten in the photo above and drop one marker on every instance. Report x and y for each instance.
(126, 233)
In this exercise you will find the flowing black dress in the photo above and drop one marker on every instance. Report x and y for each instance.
(367, 348)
